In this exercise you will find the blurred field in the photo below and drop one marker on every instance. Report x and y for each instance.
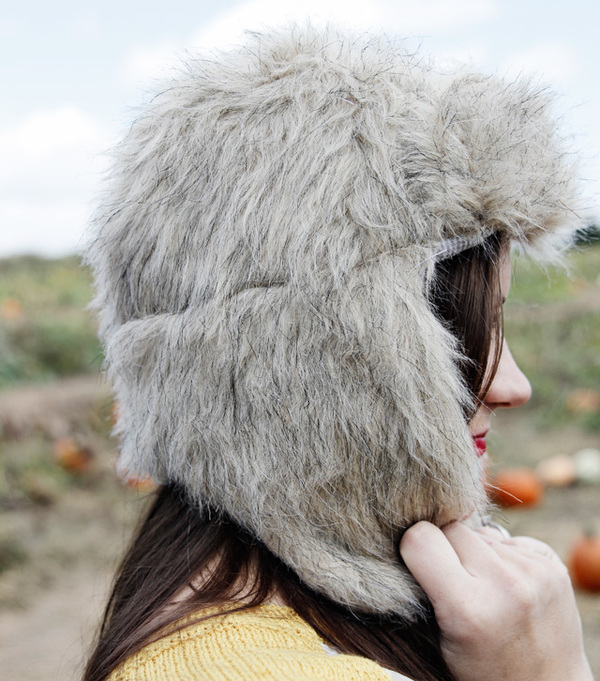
(65, 517)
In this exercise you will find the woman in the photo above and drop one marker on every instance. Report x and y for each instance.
(300, 261)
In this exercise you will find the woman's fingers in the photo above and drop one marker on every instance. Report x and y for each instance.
(473, 547)
(454, 551)
(430, 558)
(435, 558)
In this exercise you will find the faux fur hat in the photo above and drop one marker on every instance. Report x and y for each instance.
(262, 256)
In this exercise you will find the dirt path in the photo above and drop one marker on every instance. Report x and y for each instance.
(50, 408)
(47, 640)
(58, 595)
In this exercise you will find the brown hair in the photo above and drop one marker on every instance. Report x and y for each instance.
(467, 296)
(176, 541)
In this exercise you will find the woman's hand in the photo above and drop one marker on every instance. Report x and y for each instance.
(505, 607)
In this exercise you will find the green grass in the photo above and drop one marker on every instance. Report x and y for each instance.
(45, 330)
(39, 283)
(552, 323)
(30, 475)
(536, 285)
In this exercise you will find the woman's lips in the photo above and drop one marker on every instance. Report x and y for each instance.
(480, 445)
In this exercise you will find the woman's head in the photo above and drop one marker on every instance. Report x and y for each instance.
(266, 261)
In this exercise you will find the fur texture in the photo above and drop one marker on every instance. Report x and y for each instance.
(262, 256)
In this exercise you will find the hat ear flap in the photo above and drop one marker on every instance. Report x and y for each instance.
(407, 391)
(359, 582)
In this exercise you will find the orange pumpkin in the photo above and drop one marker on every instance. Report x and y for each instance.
(584, 562)
(11, 309)
(144, 484)
(516, 487)
(71, 456)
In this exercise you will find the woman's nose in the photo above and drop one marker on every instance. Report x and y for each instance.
(510, 387)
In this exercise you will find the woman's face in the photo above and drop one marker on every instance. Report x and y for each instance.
(510, 387)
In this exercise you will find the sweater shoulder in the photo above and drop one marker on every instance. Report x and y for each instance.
(270, 643)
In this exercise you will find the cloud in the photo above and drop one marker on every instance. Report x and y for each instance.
(48, 228)
(437, 16)
(43, 133)
(50, 164)
(401, 18)
(228, 27)
(144, 64)
(553, 62)
(475, 54)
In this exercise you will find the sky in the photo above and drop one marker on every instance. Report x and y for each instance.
(73, 73)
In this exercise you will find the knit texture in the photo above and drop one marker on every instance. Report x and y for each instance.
(268, 642)
(262, 258)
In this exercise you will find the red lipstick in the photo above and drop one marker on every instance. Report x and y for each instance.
(480, 444)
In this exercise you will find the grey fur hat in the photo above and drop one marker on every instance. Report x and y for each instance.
(262, 256)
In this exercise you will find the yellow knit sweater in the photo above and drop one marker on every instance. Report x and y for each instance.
(268, 642)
